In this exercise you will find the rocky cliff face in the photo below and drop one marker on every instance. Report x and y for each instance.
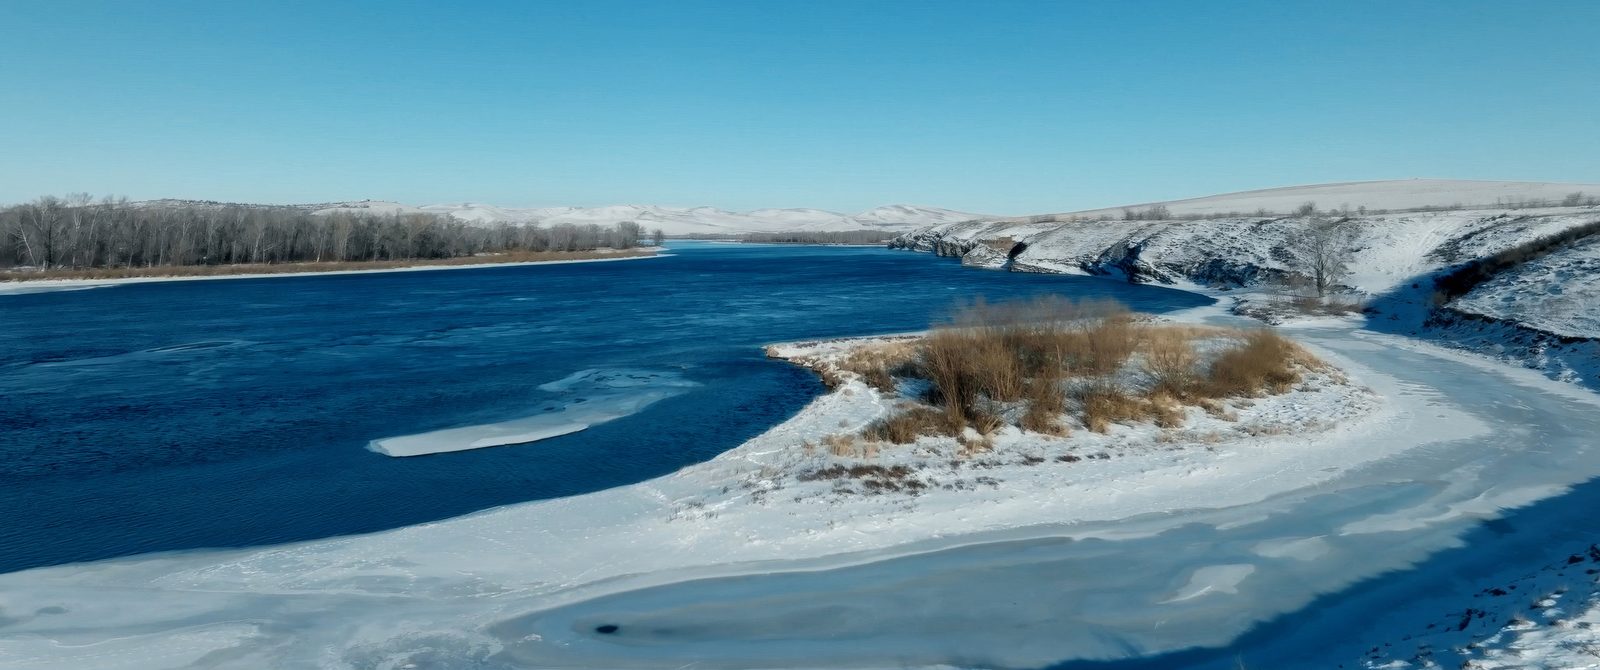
(1389, 250)
(986, 257)
(1227, 252)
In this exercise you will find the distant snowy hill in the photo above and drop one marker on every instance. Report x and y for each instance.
(1390, 195)
(683, 220)
(671, 220)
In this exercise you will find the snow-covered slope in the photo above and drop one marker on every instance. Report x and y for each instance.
(1557, 294)
(680, 220)
(382, 207)
(1372, 195)
(1243, 251)
(363, 207)
(671, 220)
(1530, 313)
(895, 216)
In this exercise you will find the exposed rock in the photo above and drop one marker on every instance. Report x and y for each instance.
(984, 256)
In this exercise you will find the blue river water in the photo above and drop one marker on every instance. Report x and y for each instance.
(179, 415)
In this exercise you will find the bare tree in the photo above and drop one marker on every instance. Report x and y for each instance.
(658, 237)
(626, 235)
(43, 223)
(1324, 250)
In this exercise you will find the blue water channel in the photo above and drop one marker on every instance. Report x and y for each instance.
(176, 415)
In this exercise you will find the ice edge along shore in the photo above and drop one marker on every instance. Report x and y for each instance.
(45, 285)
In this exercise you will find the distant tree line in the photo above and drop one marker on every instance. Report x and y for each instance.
(1154, 213)
(80, 232)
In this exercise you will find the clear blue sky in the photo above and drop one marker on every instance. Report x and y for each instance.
(999, 107)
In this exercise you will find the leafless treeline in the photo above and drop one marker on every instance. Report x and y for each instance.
(80, 232)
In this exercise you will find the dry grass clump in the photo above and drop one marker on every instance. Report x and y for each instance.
(974, 446)
(878, 365)
(906, 427)
(1168, 411)
(1051, 335)
(1101, 348)
(1026, 360)
(1005, 353)
(966, 364)
(841, 446)
(1217, 409)
(1265, 362)
(1105, 404)
(986, 423)
(1046, 403)
(1262, 362)
(1170, 357)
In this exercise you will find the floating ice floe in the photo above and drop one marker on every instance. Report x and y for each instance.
(584, 399)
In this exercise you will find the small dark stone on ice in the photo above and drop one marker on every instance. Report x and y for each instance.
(606, 629)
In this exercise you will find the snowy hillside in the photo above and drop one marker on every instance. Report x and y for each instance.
(683, 220)
(1371, 195)
(1557, 294)
(1391, 248)
(1530, 313)
(1233, 252)
(671, 220)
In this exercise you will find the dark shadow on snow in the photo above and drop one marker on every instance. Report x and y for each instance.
(1333, 630)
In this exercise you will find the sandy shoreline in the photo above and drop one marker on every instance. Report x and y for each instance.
(45, 285)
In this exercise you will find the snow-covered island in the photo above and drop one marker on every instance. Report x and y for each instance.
(919, 414)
